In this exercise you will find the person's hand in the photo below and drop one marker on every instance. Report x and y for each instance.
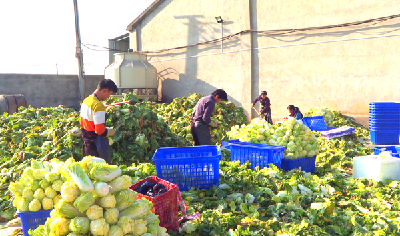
(252, 105)
(110, 132)
(213, 124)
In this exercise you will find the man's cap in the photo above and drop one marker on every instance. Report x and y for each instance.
(264, 92)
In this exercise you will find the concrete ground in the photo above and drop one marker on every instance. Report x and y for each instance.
(8, 230)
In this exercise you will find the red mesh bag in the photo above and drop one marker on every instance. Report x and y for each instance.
(164, 205)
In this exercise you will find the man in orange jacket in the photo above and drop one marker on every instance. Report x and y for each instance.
(93, 121)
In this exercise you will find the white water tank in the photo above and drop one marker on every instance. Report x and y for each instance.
(131, 72)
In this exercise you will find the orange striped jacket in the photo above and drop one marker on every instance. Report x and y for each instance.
(92, 118)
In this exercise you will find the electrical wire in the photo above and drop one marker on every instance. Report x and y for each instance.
(92, 48)
(88, 46)
(264, 32)
(109, 49)
(281, 32)
(276, 46)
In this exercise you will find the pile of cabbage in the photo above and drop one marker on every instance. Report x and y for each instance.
(139, 131)
(39, 187)
(54, 132)
(179, 112)
(298, 139)
(96, 200)
(322, 111)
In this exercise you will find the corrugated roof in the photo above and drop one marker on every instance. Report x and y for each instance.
(121, 37)
(148, 10)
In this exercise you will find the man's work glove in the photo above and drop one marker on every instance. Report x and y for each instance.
(212, 124)
(110, 132)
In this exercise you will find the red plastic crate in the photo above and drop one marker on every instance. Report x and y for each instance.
(164, 205)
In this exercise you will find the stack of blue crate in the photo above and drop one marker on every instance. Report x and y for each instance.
(384, 122)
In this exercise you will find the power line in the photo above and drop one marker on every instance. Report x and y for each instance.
(89, 46)
(281, 32)
(277, 46)
(264, 32)
(93, 48)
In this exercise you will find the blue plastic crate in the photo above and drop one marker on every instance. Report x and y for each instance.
(226, 144)
(315, 123)
(387, 130)
(384, 109)
(381, 124)
(383, 129)
(395, 150)
(338, 132)
(384, 137)
(392, 111)
(375, 128)
(384, 104)
(306, 164)
(384, 116)
(257, 154)
(382, 120)
(189, 167)
(32, 220)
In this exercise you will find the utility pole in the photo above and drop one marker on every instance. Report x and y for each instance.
(78, 53)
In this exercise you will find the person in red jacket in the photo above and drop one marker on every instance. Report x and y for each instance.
(265, 106)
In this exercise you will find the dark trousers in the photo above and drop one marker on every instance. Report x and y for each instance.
(267, 115)
(194, 134)
(89, 149)
(201, 133)
(103, 151)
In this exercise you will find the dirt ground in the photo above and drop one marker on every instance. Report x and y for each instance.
(9, 230)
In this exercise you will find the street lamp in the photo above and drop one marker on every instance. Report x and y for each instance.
(221, 21)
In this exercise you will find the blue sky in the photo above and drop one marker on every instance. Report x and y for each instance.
(37, 35)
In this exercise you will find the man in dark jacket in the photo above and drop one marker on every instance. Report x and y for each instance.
(201, 119)
(265, 106)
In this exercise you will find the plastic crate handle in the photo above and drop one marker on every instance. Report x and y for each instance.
(184, 208)
(155, 155)
(219, 150)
